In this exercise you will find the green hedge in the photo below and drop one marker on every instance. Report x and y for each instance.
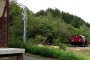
(53, 53)
(46, 51)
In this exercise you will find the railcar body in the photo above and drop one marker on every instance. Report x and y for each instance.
(78, 40)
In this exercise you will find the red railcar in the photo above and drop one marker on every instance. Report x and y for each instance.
(78, 40)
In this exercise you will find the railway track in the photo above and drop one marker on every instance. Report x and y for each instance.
(79, 48)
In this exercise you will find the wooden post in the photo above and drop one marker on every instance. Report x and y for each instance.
(4, 23)
(19, 57)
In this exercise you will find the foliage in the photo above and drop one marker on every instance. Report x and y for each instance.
(45, 51)
(66, 17)
(51, 52)
(51, 26)
(40, 13)
(62, 46)
(56, 42)
(46, 26)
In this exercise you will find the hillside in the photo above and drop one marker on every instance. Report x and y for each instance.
(47, 27)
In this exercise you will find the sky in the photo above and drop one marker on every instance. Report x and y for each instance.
(80, 8)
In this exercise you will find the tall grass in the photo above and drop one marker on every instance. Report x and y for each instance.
(53, 53)
(46, 51)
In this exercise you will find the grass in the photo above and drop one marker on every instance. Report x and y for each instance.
(53, 53)
(46, 51)
(38, 56)
(83, 53)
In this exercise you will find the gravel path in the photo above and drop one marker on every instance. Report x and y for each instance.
(79, 48)
(31, 58)
(28, 57)
(35, 57)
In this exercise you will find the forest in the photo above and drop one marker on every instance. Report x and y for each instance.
(50, 26)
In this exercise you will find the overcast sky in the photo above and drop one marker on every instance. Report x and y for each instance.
(80, 8)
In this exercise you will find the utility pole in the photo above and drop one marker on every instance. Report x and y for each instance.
(25, 23)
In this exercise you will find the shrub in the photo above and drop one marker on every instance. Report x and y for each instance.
(62, 46)
(46, 51)
(53, 53)
(56, 42)
(40, 39)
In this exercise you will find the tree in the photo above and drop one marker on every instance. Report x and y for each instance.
(15, 18)
(76, 22)
(66, 17)
(40, 13)
(57, 13)
(46, 25)
(49, 15)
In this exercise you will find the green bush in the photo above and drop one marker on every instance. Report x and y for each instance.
(40, 39)
(53, 53)
(62, 46)
(45, 51)
(56, 42)
(16, 44)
